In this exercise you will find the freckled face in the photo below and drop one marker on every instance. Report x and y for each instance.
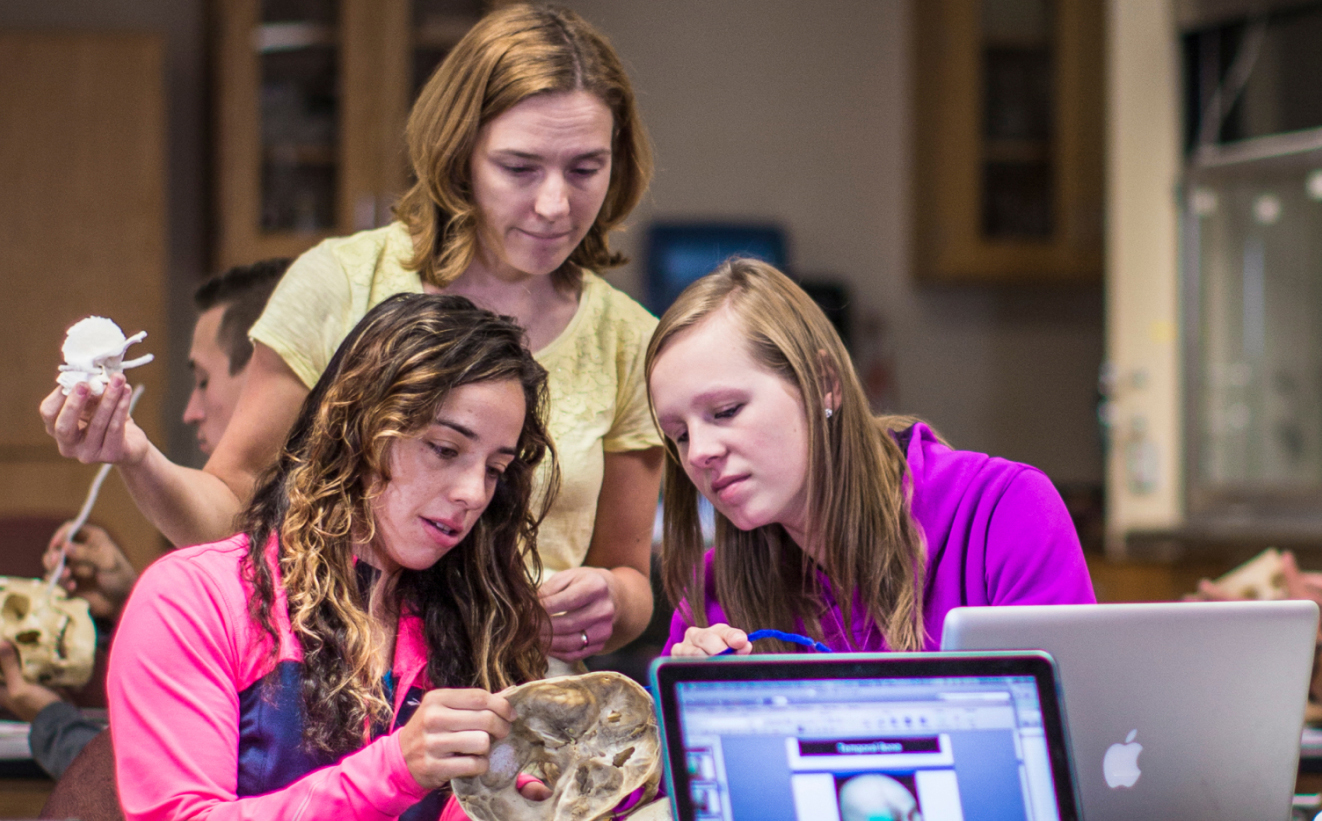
(740, 429)
(443, 479)
(540, 174)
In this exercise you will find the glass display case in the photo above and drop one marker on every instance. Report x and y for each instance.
(1008, 140)
(1255, 75)
(1252, 269)
(312, 98)
(1018, 117)
(1253, 332)
(298, 53)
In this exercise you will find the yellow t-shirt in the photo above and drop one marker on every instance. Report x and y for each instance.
(595, 366)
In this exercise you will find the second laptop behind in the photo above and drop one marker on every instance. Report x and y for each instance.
(1174, 710)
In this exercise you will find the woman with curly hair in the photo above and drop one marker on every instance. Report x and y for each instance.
(859, 531)
(288, 671)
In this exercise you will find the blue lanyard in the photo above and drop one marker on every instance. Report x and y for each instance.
(793, 638)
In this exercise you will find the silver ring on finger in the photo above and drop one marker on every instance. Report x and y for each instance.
(584, 634)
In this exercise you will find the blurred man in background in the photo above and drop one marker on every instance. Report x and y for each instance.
(95, 568)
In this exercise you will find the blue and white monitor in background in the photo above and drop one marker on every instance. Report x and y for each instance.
(680, 253)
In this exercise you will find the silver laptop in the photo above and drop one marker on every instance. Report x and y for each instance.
(865, 737)
(1175, 710)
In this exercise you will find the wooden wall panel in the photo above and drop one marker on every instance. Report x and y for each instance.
(82, 231)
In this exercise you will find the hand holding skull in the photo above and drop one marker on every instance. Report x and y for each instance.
(450, 734)
(592, 740)
(20, 696)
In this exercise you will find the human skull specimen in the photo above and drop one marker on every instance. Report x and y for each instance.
(94, 351)
(592, 739)
(53, 634)
(1259, 578)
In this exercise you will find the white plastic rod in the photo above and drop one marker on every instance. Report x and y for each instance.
(78, 522)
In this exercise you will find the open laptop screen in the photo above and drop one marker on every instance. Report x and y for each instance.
(865, 739)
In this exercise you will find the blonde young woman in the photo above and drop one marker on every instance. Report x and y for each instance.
(528, 150)
(289, 671)
(857, 531)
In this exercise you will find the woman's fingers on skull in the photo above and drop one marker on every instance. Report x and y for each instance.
(534, 790)
(436, 771)
(450, 711)
(467, 742)
(477, 699)
(461, 766)
(468, 698)
(445, 720)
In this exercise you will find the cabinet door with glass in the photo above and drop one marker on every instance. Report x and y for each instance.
(1252, 272)
(1253, 342)
(311, 101)
(1008, 140)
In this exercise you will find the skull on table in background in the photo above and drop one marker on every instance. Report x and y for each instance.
(52, 633)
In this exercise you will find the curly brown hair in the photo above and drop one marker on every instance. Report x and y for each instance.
(478, 604)
(515, 52)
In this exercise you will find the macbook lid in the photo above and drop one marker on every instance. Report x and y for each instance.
(1175, 710)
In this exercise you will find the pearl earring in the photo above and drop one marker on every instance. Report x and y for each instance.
(828, 413)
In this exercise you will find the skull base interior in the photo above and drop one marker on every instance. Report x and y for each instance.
(591, 739)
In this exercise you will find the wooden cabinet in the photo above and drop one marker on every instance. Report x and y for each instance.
(311, 101)
(82, 232)
(1008, 140)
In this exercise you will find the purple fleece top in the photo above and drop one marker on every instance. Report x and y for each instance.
(997, 532)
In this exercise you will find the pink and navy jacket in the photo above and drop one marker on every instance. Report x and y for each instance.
(206, 726)
(997, 532)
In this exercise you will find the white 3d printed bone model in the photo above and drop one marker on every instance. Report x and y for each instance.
(591, 739)
(94, 351)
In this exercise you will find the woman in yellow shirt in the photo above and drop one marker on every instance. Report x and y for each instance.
(528, 150)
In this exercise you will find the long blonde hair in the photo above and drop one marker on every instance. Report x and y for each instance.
(481, 620)
(513, 53)
(870, 546)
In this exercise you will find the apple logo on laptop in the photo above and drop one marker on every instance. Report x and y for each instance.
(1120, 766)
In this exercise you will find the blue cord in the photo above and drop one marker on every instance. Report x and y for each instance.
(793, 638)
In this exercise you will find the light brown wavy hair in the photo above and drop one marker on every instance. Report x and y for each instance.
(478, 604)
(870, 545)
(515, 52)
